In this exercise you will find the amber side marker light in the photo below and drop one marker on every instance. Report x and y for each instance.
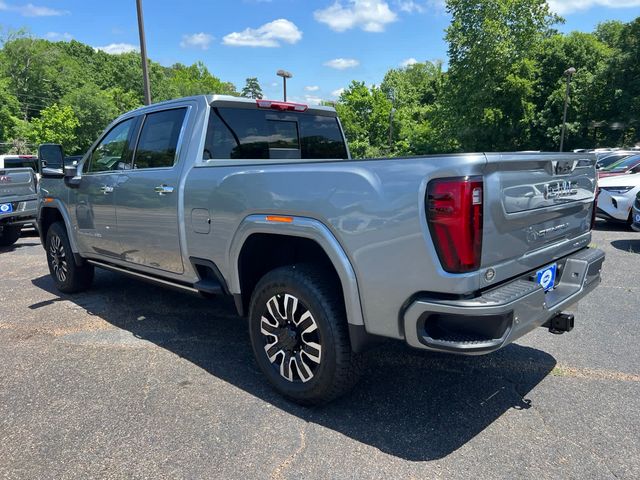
(48, 200)
(276, 218)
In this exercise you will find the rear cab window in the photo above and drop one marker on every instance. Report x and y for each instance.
(21, 162)
(248, 134)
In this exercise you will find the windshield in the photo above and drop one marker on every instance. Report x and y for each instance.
(624, 164)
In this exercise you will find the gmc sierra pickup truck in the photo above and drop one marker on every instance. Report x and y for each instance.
(324, 254)
(18, 202)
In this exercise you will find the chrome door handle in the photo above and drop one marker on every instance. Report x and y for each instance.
(163, 189)
(106, 189)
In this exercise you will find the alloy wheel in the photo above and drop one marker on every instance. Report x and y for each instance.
(58, 259)
(291, 338)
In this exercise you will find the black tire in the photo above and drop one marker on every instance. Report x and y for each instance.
(9, 235)
(68, 276)
(323, 351)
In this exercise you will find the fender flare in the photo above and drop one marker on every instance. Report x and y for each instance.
(56, 204)
(307, 228)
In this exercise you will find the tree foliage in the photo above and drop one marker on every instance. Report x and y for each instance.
(252, 89)
(39, 78)
(57, 124)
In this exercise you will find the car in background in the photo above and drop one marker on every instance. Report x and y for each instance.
(635, 214)
(18, 202)
(19, 161)
(617, 196)
(625, 166)
(609, 158)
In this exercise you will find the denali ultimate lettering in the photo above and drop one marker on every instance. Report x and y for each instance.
(564, 188)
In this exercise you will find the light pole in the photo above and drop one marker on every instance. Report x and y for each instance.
(143, 55)
(284, 74)
(569, 72)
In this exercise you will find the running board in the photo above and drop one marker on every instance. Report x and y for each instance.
(143, 277)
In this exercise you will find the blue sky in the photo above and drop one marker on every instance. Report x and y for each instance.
(325, 43)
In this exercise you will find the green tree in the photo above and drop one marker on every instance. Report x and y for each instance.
(365, 115)
(9, 113)
(197, 80)
(94, 109)
(420, 124)
(56, 124)
(491, 78)
(252, 89)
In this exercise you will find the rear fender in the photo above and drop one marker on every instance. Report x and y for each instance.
(306, 228)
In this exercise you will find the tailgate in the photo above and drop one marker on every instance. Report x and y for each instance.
(16, 184)
(538, 208)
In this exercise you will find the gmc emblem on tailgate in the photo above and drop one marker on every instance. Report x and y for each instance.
(5, 179)
(560, 189)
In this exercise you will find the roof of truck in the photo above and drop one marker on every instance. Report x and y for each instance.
(231, 101)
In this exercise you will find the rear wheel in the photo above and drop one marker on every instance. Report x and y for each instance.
(67, 274)
(299, 335)
(9, 235)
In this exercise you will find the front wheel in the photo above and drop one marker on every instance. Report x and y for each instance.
(299, 335)
(9, 235)
(67, 274)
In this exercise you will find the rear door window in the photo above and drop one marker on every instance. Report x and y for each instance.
(261, 135)
(159, 137)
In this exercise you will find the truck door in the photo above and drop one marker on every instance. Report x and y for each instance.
(94, 197)
(147, 199)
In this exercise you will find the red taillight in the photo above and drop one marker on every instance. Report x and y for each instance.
(282, 106)
(454, 213)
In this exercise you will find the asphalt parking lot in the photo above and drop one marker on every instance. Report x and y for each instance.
(132, 381)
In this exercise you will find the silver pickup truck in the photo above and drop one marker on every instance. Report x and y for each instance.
(324, 254)
(18, 202)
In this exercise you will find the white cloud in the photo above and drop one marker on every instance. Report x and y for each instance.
(409, 6)
(57, 36)
(408, 61)
(342, 63)
(268, 35)
(312, 100)
(31, 10)
(570, 6)
(275, 84)
(369, 15)
(337, 93)
(312, 88)
(197, 40)
(118, 48)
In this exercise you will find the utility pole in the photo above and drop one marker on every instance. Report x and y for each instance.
(570, 72)
(284, 74)
(143, 55)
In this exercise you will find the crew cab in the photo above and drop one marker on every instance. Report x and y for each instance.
(324, 254)
(18, 202)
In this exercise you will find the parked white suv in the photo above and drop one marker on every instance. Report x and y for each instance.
(617, 195)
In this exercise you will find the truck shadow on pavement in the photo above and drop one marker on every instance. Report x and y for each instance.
(414, 405)
(630, 246)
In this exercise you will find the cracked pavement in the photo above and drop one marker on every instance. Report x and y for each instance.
(132, 381)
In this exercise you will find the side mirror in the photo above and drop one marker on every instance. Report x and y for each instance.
(51, 158)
